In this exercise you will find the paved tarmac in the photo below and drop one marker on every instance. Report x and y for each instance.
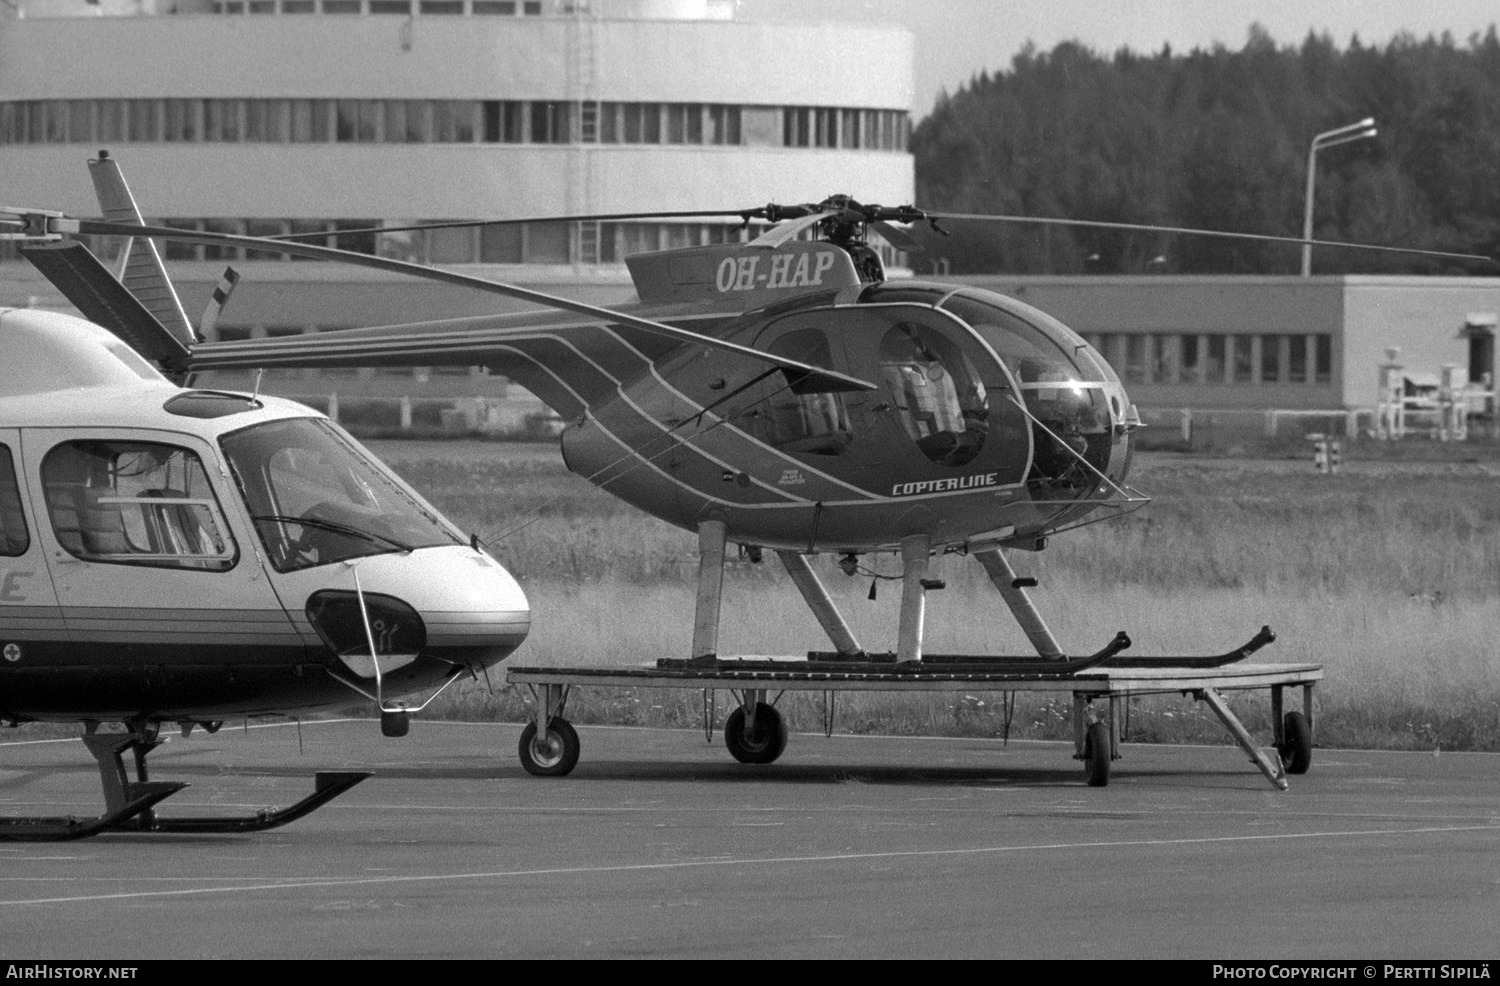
(661, 846)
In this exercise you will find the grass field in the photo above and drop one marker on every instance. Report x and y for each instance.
(1388, 575)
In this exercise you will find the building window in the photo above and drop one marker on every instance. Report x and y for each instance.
(1214, 362)
(502, 244)
(1324, 359)
(145, 120)
(1167, 357)
(641, 123)
(1187, 346)
(503, 121)
(796, 126)
(450, 246)
(501, 8)
(1270, 359)
(724, 125)
(180, 120)
(355, 120)
(1135, 358)
(441, 6)
(112, 121)
(551, 123)
(1296, 360)
(1244, 361)
(547, 243)
(80, 121)
(310, 121)
(221, 120)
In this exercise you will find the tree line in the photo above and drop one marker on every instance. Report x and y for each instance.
(1218, 139)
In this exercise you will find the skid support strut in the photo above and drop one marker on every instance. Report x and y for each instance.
(711, 538)
(916, 551)
(820, 603)
(1013, 591)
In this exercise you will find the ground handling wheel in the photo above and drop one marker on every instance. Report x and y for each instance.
(1296, 743)
(1097, 755)
(552, 755)
(764, 744)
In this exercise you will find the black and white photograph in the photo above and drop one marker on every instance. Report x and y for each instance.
(1013, 480)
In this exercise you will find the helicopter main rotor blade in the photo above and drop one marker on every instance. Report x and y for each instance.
(789, 230)
(1190, 231)
(806, 378)
(602, 217)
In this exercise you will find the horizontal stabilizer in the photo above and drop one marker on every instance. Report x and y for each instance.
(103, 300)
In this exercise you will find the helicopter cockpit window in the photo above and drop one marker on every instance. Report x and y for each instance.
(1065, 385)
(316, 499)
(812, 424)
(135, 503)
(936, 390)
(13, 537)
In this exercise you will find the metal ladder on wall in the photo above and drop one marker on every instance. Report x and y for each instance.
(583, 65)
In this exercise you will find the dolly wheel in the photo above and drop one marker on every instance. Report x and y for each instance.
(1296, 744)
(1096, 755)
(552, 755)
(763, 745)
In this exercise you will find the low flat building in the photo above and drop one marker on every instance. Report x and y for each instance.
(1270, 342)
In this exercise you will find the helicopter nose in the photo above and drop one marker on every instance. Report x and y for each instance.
(471, 609)
(476, 611)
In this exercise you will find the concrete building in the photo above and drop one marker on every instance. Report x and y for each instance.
(1274, 342)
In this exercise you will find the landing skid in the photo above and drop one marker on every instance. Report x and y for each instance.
(129, 804)
(930, 663)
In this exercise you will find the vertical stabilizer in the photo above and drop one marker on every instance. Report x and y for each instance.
(142, 272)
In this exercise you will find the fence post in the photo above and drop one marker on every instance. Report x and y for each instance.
(333, 407)
(405, 412)
(1186, 425)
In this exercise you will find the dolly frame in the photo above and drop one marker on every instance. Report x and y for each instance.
(1086, 687)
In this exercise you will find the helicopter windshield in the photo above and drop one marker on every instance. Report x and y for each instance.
(316, 498)
(1064, 390)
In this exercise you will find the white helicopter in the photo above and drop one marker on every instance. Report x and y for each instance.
(172, 555)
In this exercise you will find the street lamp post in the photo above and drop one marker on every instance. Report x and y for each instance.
(1362, 130)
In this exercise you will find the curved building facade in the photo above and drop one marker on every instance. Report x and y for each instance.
(297, 116)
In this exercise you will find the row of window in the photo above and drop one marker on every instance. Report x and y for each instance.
(446, 121)
(1208, 358)
(403, 8)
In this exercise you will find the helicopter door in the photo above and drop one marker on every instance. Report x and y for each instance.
(30, 623)
(815, 425)
(940, 420)
(147, 566)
